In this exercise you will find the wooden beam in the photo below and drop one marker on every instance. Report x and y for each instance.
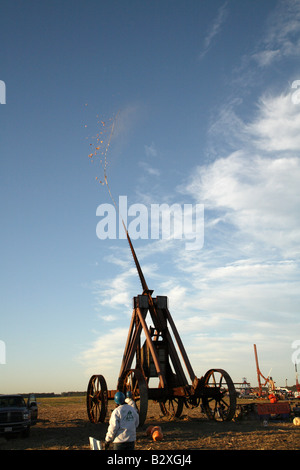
(152, 348)
(131, 350)
(181, 347)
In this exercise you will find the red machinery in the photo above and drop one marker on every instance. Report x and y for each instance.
(268, 380)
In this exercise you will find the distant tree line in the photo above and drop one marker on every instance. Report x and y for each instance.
(52, 394)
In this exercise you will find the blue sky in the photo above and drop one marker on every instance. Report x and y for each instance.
(205, 95)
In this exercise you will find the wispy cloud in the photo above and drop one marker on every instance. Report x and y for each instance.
(277, 127)
(248, 276)
(149, 169)
(150, 150)
(105, 354)
(282, 34)
(147, 164)
(243, 286)
(113, 293)
(256, 188)
(214, 29)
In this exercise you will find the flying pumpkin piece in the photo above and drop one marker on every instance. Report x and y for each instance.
(97, 148)
(90, 155)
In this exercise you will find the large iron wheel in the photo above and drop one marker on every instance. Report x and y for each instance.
(96, 399)
(219, 400)
(134, 381)
(172, 407)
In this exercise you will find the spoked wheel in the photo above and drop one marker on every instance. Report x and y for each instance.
(96, 399)
(134, 381)
(172, 407)
(219, 400)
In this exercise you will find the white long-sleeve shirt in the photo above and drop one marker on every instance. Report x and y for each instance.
(122, 424)
(131, 402)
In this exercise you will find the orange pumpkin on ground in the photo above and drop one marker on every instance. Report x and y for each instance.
(155, 428)
(149, 430)
(157, 434)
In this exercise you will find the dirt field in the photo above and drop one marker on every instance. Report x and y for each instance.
(63, 425)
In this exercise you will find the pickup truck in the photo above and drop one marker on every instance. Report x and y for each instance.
(17, 416)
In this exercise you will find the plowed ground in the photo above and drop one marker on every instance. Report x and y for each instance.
(63, 425)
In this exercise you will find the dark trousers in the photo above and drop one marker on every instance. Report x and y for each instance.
(124, 445)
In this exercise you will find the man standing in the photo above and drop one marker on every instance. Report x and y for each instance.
(122, 425)
(129, 400)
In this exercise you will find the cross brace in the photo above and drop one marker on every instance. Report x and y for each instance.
(158, 352)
